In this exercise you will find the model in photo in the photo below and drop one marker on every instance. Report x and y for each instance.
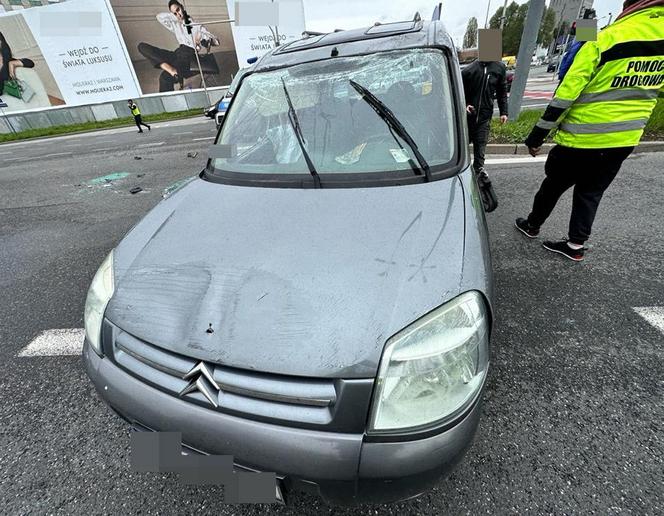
(176, 64)
(9, 63)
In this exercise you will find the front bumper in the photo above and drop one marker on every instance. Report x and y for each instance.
(341, 468)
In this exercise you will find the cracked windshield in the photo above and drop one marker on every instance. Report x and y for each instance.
(339, 128)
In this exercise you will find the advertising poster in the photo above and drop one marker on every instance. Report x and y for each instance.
(26, 80)
(79, 41)
(254, 41)
(164, 54)
(80, 52)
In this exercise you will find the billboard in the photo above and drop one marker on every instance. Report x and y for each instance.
(78, 52)
(21, 56)
(255, 40)
(162, 52)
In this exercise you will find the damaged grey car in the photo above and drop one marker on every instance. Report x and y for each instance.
(318, 301)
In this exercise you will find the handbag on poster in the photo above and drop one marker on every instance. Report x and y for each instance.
(26, 90)
(19, 89)
(13, 88)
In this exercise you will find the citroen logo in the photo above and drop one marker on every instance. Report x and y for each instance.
(201, 380)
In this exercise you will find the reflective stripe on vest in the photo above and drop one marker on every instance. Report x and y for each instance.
(607, 127)
(561, 103)
(543, 124)
(619, 94)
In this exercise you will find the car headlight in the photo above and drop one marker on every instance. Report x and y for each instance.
(433, 369)
(99, 294)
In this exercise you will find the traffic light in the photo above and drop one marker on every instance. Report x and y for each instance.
(589, 14)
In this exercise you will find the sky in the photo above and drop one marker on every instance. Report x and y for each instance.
(327, 15)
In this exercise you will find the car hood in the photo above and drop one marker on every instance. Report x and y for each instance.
(290, 281)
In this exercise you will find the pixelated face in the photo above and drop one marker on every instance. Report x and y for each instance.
(490, 44)
(176, 9)
(586, 30)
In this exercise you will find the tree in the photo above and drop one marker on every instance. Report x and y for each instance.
(494, 22)
(470, 38)
(515, 16)
(513, 30)
(547, 27)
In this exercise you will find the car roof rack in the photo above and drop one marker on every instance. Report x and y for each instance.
(313, 39)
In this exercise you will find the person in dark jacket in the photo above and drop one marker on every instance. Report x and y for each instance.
(482, 82)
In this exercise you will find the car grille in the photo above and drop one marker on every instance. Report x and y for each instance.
(333, 404)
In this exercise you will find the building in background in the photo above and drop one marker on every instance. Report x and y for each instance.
(567, 12)
(569, 9)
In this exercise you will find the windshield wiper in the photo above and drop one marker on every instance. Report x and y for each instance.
(393, 123)
(292, 117)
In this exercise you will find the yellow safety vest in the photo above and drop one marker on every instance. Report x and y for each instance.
(611, 89)
(135, 111)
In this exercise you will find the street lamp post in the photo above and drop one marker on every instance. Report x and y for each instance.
(503, 17)
(560, 29)
(275, 34)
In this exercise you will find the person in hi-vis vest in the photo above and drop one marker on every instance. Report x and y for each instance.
(599, 112)
(137, 116)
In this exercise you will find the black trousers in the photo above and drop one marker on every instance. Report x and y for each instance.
(478, 134)
(139, 122)
(590, 172)
(180, 59)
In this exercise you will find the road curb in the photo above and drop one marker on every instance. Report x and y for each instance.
(521, 150)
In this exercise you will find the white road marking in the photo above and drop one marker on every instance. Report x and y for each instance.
(187, 132)
(526, 106)
(51, 343)
(511, 161)
(55, 154)
(203, 139)
(653, 314)
(119, 130)
(143, 145)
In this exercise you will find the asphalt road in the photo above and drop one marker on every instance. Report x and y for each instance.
(573, 411)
